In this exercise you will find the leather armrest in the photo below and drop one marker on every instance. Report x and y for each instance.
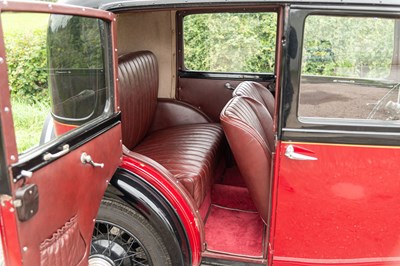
(170, 113)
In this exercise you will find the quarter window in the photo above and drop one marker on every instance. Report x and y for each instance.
(230, 42)
(350, 68)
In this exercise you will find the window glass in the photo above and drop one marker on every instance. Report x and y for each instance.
(230, 42)
(56, 74)
(76, 67)
(350, 68)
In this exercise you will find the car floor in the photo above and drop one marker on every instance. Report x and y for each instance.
(233, 225)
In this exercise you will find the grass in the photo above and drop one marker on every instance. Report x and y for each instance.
(28, 118)
(28, 123)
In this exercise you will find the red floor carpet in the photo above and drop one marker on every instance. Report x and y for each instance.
(233, 226)
(234, 232)
(232, 197)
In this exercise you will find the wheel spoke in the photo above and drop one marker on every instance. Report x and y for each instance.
(108, 240)
(94, 247)
(110, 243)
(133, 242)
(98, 232)
(117, 244)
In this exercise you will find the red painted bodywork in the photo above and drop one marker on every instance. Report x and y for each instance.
(340, 209)
(274, 193)
(176, 199)
(9, 233)
(61, 128)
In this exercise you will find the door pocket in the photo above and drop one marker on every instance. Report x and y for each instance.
(66, 246)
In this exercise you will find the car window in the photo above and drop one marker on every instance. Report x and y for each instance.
(230, 42)
(57, 74)
(350, 68)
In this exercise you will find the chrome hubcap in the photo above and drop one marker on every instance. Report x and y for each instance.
(100, 260)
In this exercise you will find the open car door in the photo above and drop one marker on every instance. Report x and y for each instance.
(50, 192)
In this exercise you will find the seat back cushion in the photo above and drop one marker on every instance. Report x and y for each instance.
(258, 92)
(138, 89)
(248, 128)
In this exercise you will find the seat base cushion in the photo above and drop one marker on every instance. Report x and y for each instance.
(190, 152)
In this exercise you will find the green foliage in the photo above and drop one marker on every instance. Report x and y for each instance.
(264, 26)
(349, 47)
(28, 122)
(25, 41)
(27, 65)
(319, 57)
(74, 42)
(230, 42)
(245, 42)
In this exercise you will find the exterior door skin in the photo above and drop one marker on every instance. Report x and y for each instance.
(51, 193)
(338, 188)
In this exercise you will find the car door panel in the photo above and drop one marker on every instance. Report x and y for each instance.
(345, 199)
(208, 95)
(56, 227)
(68, 190)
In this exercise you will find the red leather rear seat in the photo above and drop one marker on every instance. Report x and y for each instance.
(258, 92)
(249, 130)
(190, 152)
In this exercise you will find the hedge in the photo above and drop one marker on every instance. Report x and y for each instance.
(27, 65)
(334, 46)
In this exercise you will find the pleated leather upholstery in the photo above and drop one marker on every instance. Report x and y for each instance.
(189, 152)
(65, 247)
(248, 127)
(138, 89)
(258, 92)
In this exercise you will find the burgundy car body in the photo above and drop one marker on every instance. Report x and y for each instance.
(333, 192)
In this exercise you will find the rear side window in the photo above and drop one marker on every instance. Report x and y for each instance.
(230, 42)
(350, 68)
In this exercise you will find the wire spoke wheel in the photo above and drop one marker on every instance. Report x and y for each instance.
(124, 237)
(115, 246)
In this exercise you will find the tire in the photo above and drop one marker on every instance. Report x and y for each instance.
(123, 237)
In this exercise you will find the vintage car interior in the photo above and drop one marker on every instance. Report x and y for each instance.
(219, 149)
(188, 144)
(199, 132)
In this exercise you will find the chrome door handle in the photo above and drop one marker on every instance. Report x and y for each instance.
(297, 156)
(229, 86)
(86, 158)
(48, 156)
